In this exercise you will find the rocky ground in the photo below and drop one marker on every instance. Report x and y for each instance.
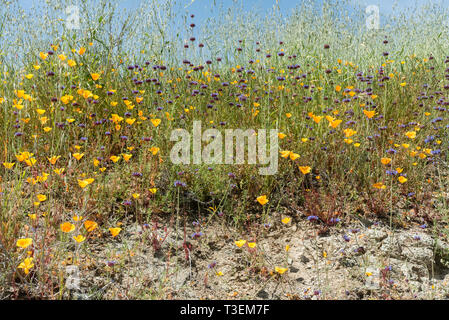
(352, 260)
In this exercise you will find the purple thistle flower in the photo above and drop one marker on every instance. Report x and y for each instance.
(391, 151)
(111, 263)
(179, 183)
(196, 235)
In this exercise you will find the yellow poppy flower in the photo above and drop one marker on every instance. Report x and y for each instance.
(41, 197)
(155, 122)
(262, 200)
(90, 225)
(379, 185)
(317, 119)
(349, 132)
(411, 134)
(95, 76)
(59, 171)
(114, 158)
(305, 169)
(67, 227)
(77, 218)
(83, 183)
(26, 265)
(53, 159)
(334, 124)
(285, 154)
(8, 165)
(126, 156)
(78, 156)
(24, 243)
(130, 121)
(286, 220)
(79, 238)
(115, 231)
(280, 270)
(240, 243)
(294, 156)
(154, 150)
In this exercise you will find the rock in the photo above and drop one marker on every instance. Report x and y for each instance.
(72, 283)
(304, 259)
(80, 296)
(262, 294)
(446, 278)
(410, 246)
(180, 279)
(376, 234)
(73, 280)
(300, 279)
(415, 239)
(265, 247)
(293, 269)
(422, 256)
(411, 271)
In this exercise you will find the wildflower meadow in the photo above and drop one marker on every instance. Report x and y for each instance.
(163, 152)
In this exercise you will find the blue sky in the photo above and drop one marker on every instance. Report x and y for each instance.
(201, 8)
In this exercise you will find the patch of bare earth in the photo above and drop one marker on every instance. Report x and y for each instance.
(351, 261)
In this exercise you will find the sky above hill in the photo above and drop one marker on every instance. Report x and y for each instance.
(201, 8)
